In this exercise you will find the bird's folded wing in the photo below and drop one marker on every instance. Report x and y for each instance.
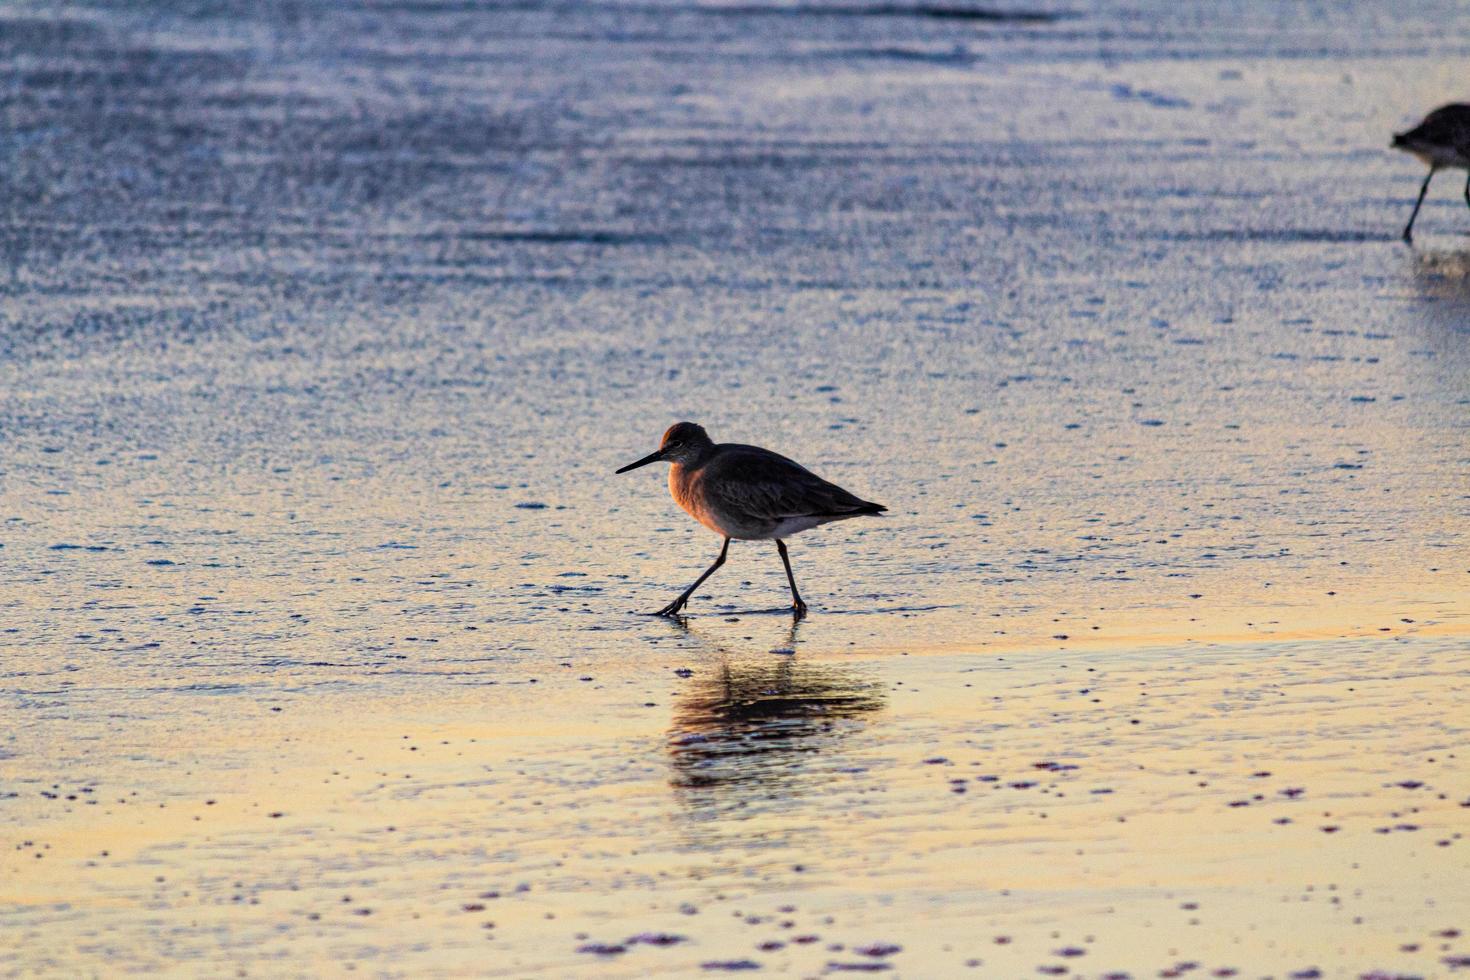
(1446, 126)
(774, 487)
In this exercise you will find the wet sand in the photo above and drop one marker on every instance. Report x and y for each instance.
(1268, 808)
(320, 608)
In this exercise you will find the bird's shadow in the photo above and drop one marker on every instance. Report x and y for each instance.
(768, 611)
(684, 618)
(884, 610)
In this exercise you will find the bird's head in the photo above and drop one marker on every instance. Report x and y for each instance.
(685, 443)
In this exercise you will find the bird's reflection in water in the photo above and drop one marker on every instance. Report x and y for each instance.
(758, 729)
(1442, 281)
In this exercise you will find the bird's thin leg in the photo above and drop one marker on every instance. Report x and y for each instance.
(1467, 187)
(798, 608)
(1409, 228)
(672, 609)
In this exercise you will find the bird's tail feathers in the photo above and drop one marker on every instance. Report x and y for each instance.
(865, 509)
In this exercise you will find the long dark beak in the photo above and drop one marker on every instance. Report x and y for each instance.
(650, 458)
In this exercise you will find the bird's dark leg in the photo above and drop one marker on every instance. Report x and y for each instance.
(1467, 187)
(672, 609)
(798, 608)
(1409, 228)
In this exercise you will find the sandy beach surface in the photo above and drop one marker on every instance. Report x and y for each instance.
(322, 633)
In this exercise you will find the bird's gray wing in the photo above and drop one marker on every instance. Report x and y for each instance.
(766, 485)
(1446, 126)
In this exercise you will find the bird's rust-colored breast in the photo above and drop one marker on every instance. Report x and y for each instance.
(684, 487)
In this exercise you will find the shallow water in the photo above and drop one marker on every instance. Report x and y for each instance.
(324, 330)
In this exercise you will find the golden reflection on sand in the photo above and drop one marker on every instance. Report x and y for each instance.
(1109, 799)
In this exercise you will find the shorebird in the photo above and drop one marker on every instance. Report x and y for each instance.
(749, 494)
(1442, 141)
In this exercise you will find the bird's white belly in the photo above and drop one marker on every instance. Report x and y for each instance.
(1440, 156)
(744, 529)
(795, 525)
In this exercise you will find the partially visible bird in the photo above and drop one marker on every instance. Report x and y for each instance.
(747, 493)
(1442, 141)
